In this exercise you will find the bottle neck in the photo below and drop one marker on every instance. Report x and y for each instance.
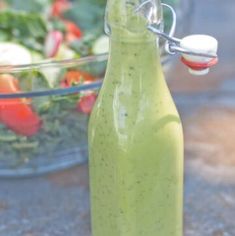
(124, 21)
(135, 64)
(134, 51)
(124, 51)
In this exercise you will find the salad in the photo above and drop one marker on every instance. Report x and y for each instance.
(47, 30)
(35, 127)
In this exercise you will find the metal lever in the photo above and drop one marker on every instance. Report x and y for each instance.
(199, 52)
(172, 45)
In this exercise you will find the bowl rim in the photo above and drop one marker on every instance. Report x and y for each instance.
(53, 63)
(54, 92)
(5, 69)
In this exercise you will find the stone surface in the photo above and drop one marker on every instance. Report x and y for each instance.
(58, 204)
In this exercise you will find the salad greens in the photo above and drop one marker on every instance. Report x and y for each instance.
(34, 6)
(28, 22)
(28, 29)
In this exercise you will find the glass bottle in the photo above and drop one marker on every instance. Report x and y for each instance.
(135, 135)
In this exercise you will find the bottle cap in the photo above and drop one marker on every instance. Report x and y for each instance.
(204, 44)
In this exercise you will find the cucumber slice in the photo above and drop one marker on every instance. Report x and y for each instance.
(101, 45)
(36, 57)
(52, 74)
(65, 53)
(14, 54)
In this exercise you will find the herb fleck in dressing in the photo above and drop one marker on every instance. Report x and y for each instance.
(135, 138)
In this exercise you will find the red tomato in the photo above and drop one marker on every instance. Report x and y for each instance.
(69, 37)
(20, 118)
(86, 103)
(16, 113)
(8, 84)
(73, 31)
(59, 6)
(76, 77)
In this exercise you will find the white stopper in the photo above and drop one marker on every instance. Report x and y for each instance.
(199, 44)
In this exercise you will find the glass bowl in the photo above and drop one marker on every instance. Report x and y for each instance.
(44, 109)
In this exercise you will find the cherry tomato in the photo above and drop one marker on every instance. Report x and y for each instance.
(86, 103)
(73, 31)
(20, 118)
(76, 77)
(17, 113)
(59, 7)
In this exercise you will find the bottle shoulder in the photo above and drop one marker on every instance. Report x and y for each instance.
(121, 111)
(125, 128)
(136, 94)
